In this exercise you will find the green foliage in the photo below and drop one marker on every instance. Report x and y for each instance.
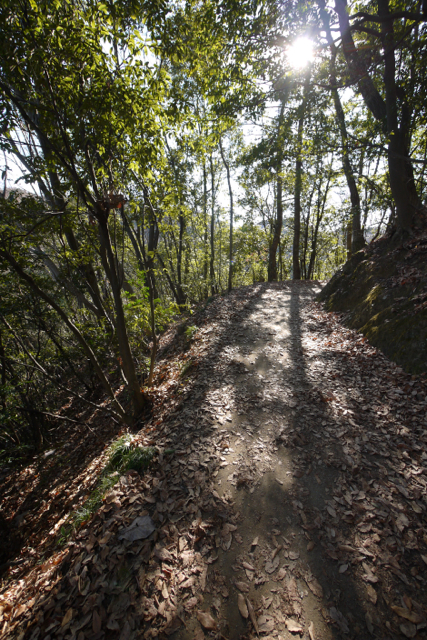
(133, 100)
(122, 455)
(137, 308)
(190, 332)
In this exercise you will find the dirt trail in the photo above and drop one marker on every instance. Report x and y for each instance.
(277, 491)
(288, 499)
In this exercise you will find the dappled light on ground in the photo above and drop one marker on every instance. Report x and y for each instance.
(287, 499)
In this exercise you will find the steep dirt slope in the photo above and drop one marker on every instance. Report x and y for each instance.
(288, 498)
(382, 292)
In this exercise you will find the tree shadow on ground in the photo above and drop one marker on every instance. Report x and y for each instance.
(190, 563)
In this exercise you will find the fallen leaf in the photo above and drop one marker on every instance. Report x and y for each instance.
(281, 574)
(206, 621)
(402, 522)
(412, 616)
(255, 542)
(369, 624)
(191, 603)
(416, 508)
(408, 629)
(140, 529)
(311, 631)
(265, 624)
(315, 587)
(310, 545)
(271, 566)
(66, 619)
(242, 586)
(343, 568)
(372, 594)
(294, 626)
(96, 622)
(252, 615)
(331, 511)
(242, 606)
(338, 617)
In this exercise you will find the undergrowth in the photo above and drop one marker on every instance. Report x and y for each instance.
(122, 455)
(190, 332)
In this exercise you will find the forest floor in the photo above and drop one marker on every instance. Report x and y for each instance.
(288, 498)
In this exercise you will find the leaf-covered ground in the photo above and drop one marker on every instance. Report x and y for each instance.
(287, 500)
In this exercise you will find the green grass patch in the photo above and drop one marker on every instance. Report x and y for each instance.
(123, 455)
(190, 332)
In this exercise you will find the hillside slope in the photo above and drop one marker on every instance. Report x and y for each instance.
(382, 292)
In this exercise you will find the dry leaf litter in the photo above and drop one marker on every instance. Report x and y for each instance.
(287, 501)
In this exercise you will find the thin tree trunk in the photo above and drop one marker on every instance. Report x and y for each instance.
(212, 230)
(298, 182)
(278, 224)
(230, 192)
(181, 221)
(272, 264)
(205, 230)
(319, 217)
(137, 397)
(72, 327)
(356, 241)
(143, 266)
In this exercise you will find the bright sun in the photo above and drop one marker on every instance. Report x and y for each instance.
(300, 53)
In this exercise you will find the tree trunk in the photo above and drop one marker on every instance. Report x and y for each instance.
(205, 230)
(181, 221)
(230, 191)
(278, 224)
(399, 164)
(402, 183)
(272, 264)
(357, 241)
(137, 397)
(212, 231)
(298, 183)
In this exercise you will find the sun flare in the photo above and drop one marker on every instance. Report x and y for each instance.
(300, 53)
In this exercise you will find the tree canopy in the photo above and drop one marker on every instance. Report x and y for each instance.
(169, 152)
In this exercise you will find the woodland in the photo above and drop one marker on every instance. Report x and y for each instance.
(179, 181)
(175, 152)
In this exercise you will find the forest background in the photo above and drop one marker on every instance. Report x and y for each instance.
(176, 151)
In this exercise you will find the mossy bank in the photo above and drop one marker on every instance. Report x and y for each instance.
(382, 292)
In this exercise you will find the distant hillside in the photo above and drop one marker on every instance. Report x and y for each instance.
(382, 292)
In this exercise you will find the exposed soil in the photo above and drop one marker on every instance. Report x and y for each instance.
(288, 498)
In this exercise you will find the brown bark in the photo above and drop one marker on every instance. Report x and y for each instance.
(272, 264)
(212, 231)
(296, 269)
(356, 240)
(402, 183)
(278, 223)
(230, 192)
(128, 365)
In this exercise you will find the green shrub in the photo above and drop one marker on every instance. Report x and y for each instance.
(123, 455)
(190, 332)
